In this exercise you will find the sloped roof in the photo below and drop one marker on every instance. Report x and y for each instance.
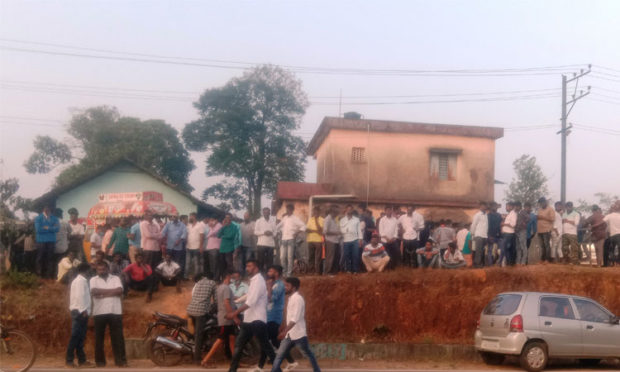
(329, 123)
(56, 192)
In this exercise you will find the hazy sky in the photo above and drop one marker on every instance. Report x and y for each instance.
(38, 91)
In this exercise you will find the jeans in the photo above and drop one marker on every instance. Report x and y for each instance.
(178, 256)
(409, 255)
(285, 348)
(115, 322)
(424, 262)
(194, 262)
(199, 323)
(351, 252)
(45, 260)
(479, 245)
(273, 329)
(393, 250)
(249, 330)
(545, 246)
(264, 257)
(506, 249)
(79, 325)
(224, 264)
(521, 242)
(210, 261)
(287, 256)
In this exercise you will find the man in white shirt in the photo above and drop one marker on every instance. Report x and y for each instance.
(352, 236)
(332, 233)
(411, 223)
(290, 226)
(80, 309)
(570, 245)
(388, 229)
(76, 238)
(556, 234)
(452, 258)
(254, 317)
(265, 229)
(106, 291)
(195, 246)
(294, 334)
(96, 239)
(150, 234)
(613, 223)
(479, 232)
(169, 273)
(507, 241)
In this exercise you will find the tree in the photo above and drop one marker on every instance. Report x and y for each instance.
(9, 202)
(101, 136)
(605, 201)
(529, 183)
(246, 129)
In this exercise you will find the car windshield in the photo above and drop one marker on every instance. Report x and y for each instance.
(503, 305)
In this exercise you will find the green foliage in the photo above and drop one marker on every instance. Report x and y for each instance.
(529, 183)
(603, 200)
(246, 129)
(103, 137)
(9, 202)
(19, 280)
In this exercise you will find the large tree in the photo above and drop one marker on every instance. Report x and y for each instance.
(101, 136)
(10, 203)
(529, 182)
(245, 127)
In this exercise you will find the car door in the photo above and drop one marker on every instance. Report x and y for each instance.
(601, 338)
(559, 327)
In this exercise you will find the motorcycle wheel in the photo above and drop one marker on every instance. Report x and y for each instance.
(163, 355)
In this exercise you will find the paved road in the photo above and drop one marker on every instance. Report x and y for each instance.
(193, 369)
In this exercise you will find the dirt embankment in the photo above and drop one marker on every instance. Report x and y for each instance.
(431, 306)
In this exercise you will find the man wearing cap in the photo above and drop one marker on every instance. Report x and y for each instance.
(545, 218)
(375, 257)
(76, 238)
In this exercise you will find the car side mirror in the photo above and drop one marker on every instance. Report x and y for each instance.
(614, 320)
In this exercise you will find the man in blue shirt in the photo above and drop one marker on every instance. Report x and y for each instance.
(275, 309)
(532, 224)
(134, 240)
(175, 233)
(46, 226)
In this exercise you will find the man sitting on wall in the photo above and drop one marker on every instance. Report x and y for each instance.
(169, 273)
(139, 277)
(375, 257)
(453, 258)
(428, 256)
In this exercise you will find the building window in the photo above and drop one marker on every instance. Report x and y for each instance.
(443, 164)
(358, 155)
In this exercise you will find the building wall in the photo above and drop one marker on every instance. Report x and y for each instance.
(399, 166)
(122, 178)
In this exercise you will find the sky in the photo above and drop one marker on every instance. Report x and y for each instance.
(40, 88)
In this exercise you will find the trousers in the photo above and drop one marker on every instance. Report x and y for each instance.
(115, 323)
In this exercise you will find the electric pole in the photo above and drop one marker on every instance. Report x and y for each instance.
(565, 131)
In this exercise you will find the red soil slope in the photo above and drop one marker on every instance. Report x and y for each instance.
(438, 306)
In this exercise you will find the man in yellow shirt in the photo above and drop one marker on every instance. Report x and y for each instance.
(314, 238)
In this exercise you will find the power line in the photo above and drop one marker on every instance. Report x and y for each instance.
(493, 99)
(445, 95)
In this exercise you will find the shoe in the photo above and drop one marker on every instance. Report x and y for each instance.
(291, 366)
(69, 365)
(86, 364)
(255, 369)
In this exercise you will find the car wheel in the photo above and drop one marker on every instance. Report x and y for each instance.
(589, 362)
(534, 357)
(493, 359)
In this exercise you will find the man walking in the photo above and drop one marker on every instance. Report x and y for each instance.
(332, 233)
(570, 245)
(80, 309)
(254, 318)
(294, 334)
(290, 226)
(265, 229)
(545, 218)
(411, 223)
(479, 231)
(106, 291)
(46, 226)
(388, 229)
(352, 240)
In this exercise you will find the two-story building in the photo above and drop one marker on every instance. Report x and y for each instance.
(445, 170)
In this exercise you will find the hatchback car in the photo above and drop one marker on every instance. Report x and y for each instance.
(537, 326)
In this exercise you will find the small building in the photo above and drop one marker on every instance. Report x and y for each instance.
(445, 170)
(122, 177)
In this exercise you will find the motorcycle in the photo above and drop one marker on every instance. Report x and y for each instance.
(169, 340)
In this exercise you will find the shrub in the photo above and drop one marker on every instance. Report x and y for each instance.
(19, 280)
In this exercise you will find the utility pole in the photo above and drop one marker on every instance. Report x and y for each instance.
(565, 131)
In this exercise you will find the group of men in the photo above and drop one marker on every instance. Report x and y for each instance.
(259, 314)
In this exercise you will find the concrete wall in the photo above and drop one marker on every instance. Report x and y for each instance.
(122, 178)
(399, 166)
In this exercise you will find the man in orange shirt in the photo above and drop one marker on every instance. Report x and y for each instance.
(546, 217)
